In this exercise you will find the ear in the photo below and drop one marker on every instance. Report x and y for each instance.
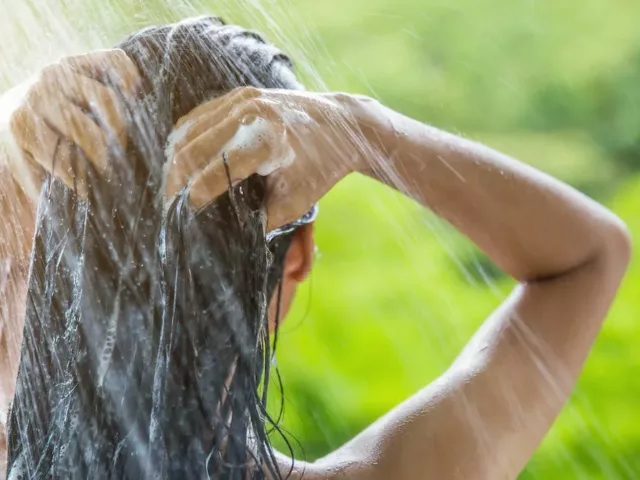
(297, 265)
(300, 255)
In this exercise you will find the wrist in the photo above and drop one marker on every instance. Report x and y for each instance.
(376, 123)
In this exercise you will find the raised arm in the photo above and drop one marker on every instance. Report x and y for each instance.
(487, 414)
(484, 418)
(39, 121)
(17, 213)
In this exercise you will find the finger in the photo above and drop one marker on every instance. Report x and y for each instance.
(72, 123)
(113, 65)
(215, 179)
(34, 137)
(51, 156)
(224, 103)
(241, 116)
(44, 149)
(230, 134)
(198, 154)
(198, 126)
(100, 100)
(49, 114)
(28, 174)
(74, 176)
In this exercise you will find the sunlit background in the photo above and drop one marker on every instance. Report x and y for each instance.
(395, 293)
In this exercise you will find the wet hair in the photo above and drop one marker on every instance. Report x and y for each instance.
(146, 349)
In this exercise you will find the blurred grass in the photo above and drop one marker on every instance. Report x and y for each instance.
(395, 293)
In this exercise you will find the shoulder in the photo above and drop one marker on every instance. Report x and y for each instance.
(338, 465)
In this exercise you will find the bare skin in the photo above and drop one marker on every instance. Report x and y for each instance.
(486, 415)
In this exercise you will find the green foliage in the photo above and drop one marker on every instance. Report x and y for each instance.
(395, 293)
(386, 310)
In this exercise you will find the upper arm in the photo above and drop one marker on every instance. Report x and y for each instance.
(487, 414)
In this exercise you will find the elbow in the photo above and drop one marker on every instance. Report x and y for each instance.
(617, 244)
(610, 256)
(609, 263)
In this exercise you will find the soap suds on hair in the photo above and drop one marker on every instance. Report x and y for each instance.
(250, 136)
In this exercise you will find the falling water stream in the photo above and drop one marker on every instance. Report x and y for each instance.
(33, 33)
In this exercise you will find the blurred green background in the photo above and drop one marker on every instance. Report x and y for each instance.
(395, 293)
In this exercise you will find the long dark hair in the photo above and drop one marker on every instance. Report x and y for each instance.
(146, 348)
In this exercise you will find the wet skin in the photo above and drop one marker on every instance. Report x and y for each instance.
(486, 415)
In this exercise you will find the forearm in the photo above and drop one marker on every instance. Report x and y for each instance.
(16, 231)
(16, 227)
(530, 224)
(512, 379)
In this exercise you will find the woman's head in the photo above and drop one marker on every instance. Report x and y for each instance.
(146, 348)
(202, 58)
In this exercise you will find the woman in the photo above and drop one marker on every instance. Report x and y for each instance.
(482, 419)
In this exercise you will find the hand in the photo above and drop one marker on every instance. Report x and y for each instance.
(70, 105)
(303, 142)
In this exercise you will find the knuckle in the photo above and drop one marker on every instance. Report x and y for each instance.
(55, 74)
(232, 95)
(31, 99)
(246, 110)
(48, 75)
(246, 92)
(17, 120)
(252, 91)
(72, 59)
(51, 71)
(118, 54)
(263, 107)
(120, 58)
